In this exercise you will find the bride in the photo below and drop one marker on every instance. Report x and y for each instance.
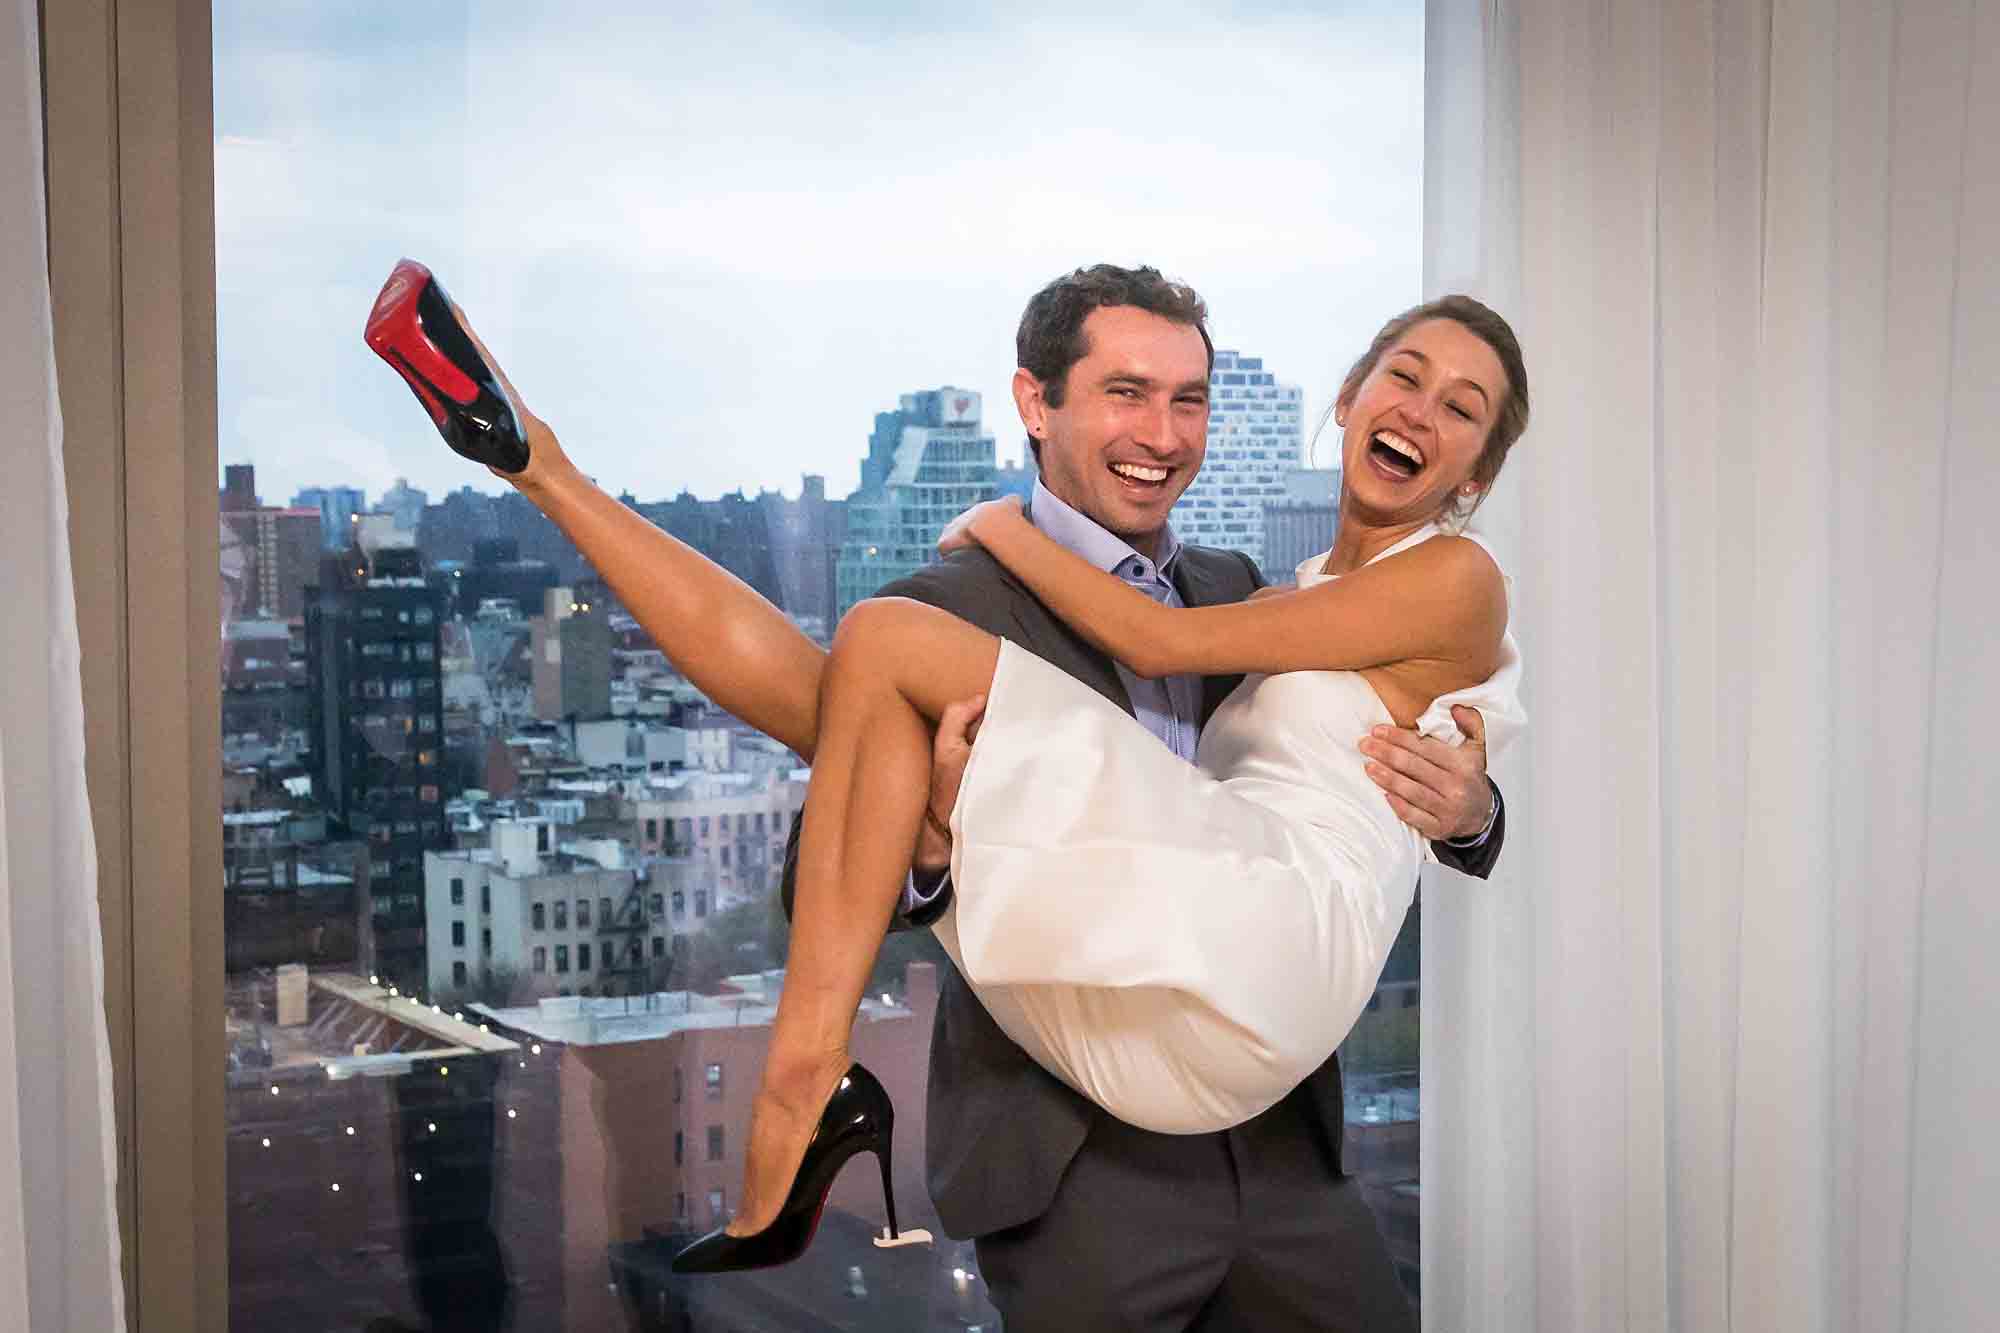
(1085, 853)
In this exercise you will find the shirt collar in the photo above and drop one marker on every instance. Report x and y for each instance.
(1084, 536)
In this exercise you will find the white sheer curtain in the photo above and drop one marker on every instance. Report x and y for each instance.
(58, 1152)
(1715, 1049)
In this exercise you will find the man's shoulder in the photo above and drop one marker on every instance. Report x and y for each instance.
(1231, 574)
(970, 584)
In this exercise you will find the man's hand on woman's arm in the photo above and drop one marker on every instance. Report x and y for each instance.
(1440, 790)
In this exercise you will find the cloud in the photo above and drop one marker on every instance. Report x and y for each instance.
(711, 243)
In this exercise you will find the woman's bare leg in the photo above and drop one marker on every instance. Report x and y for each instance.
(737, 648)
(896, 666)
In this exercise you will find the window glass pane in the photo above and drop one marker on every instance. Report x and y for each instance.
(761, 265)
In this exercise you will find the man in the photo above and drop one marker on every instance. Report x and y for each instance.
(1080, 1220)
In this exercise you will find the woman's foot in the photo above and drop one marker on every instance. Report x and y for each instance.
(787, 1110)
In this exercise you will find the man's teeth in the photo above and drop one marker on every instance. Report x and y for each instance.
(1391, 440)
(1138, 473)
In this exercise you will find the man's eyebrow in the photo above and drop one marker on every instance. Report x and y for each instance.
(1411, 351)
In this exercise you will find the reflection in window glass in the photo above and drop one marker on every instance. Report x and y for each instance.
(761, 267)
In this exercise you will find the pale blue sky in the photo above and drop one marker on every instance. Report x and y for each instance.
(710, 242)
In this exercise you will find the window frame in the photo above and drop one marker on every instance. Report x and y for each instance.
(129, 164)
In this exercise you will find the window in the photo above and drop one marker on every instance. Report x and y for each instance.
(715, 1143)
(679, 1146)
(712, 1079)
(305, 99)
(677, 1085)
(717, 1214)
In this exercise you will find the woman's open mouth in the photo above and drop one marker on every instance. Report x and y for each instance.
(1394, 456)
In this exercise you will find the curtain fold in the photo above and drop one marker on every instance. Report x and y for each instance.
(59, 1248)
(1708, 1051)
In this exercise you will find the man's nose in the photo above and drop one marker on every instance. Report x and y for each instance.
(1156, 426)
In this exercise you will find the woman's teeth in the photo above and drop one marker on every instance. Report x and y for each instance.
(1397, 453)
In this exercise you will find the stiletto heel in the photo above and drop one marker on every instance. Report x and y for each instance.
(412, 327)
(857, 1118)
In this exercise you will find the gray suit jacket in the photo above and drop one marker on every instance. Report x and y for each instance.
(1002, 1129)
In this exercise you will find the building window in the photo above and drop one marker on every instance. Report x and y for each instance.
(677, 1086)
(760, 821)
(458, 974)
(725, 856)
(716, 1215)
(652, 830)
(485, 940)
(562, 914)
(541, 959)
(680, 1147)
(712, 1078)
(583, 958)
(562, 958)
(458, 934)
(583, 913)
(701, 902)
(536, 919)
(659, 946)
(715, 1143)
(457, 892)
(485, 897)
(604, 910)
(687, 832)
(704, 826)
(680, 903)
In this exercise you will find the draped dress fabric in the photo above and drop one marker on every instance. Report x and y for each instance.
(1184, 943)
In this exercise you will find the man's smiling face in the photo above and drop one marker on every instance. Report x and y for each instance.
(1132, 426)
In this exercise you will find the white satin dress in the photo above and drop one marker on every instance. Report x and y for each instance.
(1184, 943)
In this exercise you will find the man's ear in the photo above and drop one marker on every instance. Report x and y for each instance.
(1030, 402)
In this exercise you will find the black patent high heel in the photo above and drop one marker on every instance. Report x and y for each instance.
(858, 1118)
(412, 327)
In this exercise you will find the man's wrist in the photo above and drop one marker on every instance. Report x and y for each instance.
(1486, 830)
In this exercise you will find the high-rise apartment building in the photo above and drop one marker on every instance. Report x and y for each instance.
(1300, 523)
(570, 646)
(338, 507)
(376, 735)
(927, 462)
(1256, 434)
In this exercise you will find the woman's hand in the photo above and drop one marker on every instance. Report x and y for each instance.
(963, 531)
